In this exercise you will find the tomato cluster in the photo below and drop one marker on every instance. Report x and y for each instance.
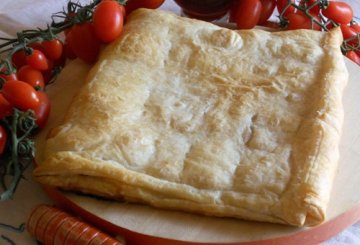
(84, 40)
(249, 13)
(24, 89)
(303, 14)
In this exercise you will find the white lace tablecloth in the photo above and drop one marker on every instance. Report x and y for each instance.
(16, 15)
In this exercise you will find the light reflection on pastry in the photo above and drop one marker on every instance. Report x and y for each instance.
(182, 114)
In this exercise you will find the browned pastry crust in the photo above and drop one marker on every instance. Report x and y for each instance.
(183, 114)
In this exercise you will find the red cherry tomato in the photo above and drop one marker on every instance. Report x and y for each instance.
(349, 32)
(49, 73)
(233, 9)
(267, 9)
(9, 77)
(298, 21)
(247, 13)
(69, 53)
(3, 139)
(38, 46)
(69, 17)
(356, 28)
(340, 12)
(355, 42)
(21, 95)
(19, 59)
(108, 20)
(301, 21)
(354, 57)
(31, 76)
(5, 107)
(131, 5)
(53, 49)
(283, 5)
(37, 60)
(83, 42)
(123, 10)
(62, 60)
(42, 112)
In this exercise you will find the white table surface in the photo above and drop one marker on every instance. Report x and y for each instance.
(18, 15)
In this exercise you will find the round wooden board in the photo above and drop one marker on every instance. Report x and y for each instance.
(145, 225)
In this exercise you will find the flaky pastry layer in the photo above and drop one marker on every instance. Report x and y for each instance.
(183, 114)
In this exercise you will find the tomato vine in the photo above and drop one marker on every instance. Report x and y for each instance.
(20, 153)
(323, 16)
(320, 15)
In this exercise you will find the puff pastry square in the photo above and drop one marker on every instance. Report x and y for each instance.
(183, 114)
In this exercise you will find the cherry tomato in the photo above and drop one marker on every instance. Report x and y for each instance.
(31, 76)
(69, 52)
(42, 112)
(5, 107)
(21, 95)
(37, 60)
(83, 42)
(53, 49)
(355, 42)
(301, 21)
(38, 46)
(298, 21)
(356, 28)
(123, 10)
(62, 60)
(69, 17)
(282, 5)
(340, 12)
(349, 32)
(108, 20)
(48, 74)
(19, 59)
(9, 77)
(247, 13)
(3, 139)
(131, 5)
(267, 9)
(354, 57)
(313, 6)
(233, 10)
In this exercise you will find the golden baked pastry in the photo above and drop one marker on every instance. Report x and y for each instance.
(183, 114)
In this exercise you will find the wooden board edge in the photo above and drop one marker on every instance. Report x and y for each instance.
(314, 235)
